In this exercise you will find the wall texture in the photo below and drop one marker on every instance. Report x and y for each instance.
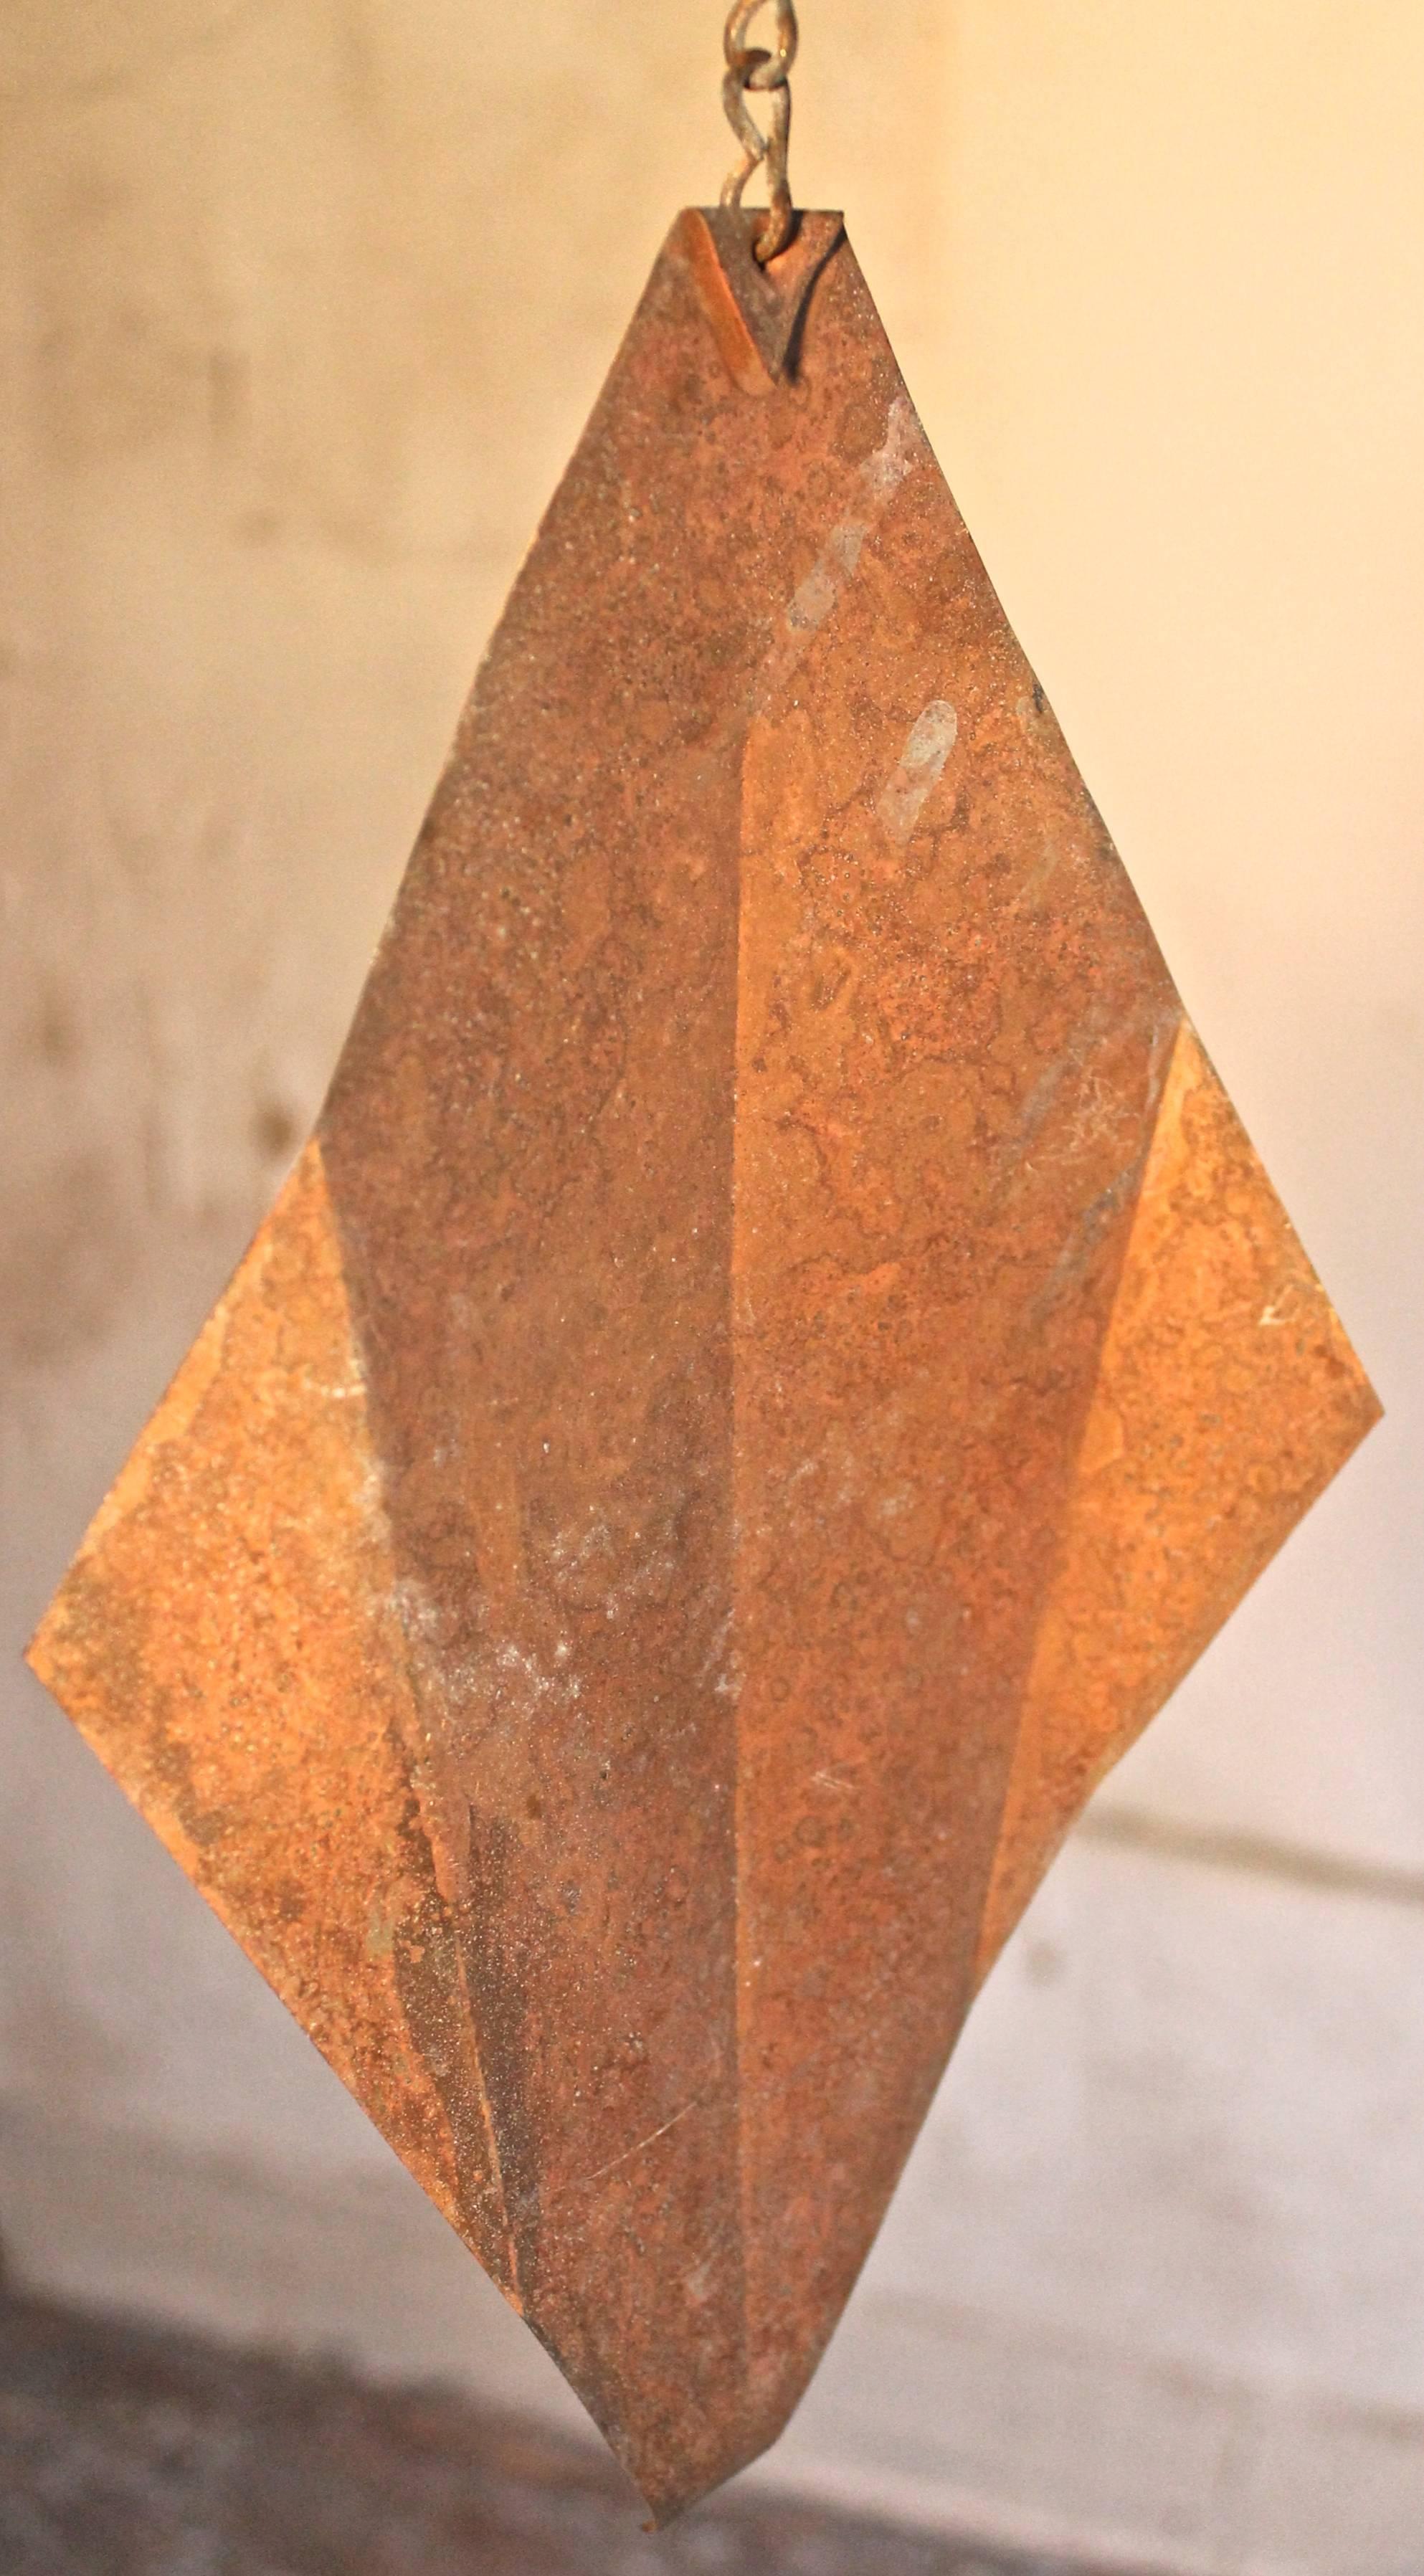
(302, 303)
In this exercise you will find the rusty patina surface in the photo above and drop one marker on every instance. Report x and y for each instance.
(777, 1357)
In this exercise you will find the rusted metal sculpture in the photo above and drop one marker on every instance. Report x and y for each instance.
(776, 1358)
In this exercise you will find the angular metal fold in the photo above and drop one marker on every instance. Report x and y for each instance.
(755, 312)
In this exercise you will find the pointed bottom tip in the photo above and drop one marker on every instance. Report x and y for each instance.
(667, 2501)
(671, 2485)
(671, 2479)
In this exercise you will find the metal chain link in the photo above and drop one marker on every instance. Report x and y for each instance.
(755, 67)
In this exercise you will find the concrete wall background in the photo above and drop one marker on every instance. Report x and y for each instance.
(301, 308)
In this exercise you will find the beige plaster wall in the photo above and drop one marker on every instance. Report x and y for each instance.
(301, 305)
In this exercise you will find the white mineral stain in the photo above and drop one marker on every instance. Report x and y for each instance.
(900, 451)
(932, 738)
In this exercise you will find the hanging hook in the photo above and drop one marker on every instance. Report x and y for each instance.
(754, 67)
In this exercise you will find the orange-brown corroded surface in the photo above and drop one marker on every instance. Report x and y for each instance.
(776, 1359)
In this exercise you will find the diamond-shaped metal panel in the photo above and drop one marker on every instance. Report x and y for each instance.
(776, 1359)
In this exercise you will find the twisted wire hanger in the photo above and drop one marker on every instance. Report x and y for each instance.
(768, 72)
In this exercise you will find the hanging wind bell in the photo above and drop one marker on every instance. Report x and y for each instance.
(775, 1360)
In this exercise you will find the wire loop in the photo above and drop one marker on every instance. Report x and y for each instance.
(766, 71)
